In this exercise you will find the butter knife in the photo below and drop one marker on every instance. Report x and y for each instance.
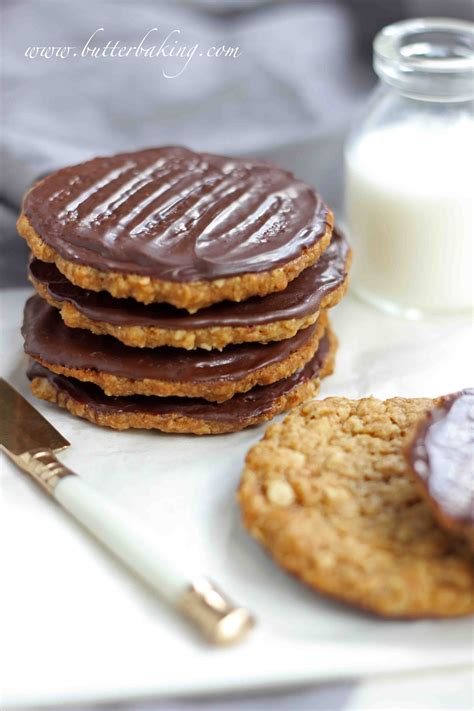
(30, 441)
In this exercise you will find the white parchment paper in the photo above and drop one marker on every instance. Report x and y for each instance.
(77, 627)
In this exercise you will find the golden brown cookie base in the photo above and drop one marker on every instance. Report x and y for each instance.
(215, 338)
(216, 391)
(328, 493)
(206, 338)
(41, 388)
(175, 422)
(191, 295)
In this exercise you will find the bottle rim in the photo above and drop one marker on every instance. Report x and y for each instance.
(427, 58)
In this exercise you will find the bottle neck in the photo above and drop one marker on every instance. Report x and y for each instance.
(428, 60)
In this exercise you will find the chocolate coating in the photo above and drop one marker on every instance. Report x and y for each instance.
(302, 297)
(241, 407)
(49, 339)
(442, 455)
(176, 215)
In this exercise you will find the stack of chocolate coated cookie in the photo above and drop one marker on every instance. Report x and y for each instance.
(180, 291)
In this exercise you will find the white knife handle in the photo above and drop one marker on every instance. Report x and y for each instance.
(198, 599)
(112, 527)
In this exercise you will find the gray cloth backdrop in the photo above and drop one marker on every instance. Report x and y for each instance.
(302, 73)
(298, 76)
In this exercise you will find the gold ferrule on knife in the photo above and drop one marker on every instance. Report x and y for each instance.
(44, 468)
(213, 613)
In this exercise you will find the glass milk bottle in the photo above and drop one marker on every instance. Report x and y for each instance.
(410, 172)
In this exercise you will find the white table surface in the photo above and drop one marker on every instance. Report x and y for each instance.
(76, 628)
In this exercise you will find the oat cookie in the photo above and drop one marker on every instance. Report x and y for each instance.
(185, 415)
(329, 494)
(168, 224)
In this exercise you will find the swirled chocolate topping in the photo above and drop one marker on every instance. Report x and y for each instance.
(176, 215)
(302, 297)
(442, 455)
(49, 340)
(240, 408)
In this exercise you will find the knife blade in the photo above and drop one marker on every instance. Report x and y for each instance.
(31, 441)
(22, 428)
